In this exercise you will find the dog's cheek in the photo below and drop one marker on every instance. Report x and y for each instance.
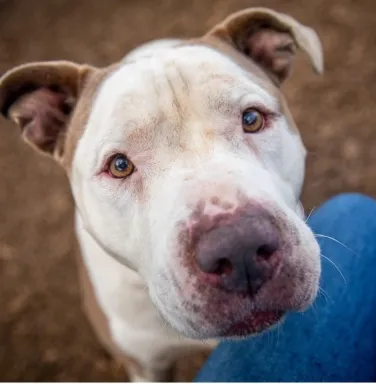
(293, 160)
(280, 150)
(305, 265)
(173, 285)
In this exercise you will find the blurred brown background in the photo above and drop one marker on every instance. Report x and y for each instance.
(43, 333)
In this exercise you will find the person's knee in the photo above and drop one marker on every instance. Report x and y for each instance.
(351, 203)
(344, 211)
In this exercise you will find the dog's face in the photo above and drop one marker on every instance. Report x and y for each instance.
(186, 166)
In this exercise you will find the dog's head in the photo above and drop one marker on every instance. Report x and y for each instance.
(186, 165)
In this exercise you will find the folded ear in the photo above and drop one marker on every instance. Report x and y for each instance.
(270, 39)
(40, 98)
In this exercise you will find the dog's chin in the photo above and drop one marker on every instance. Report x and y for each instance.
(253, 324)
(238, 318)
(250, 325)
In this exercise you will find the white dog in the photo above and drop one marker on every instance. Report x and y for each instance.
(186, 169)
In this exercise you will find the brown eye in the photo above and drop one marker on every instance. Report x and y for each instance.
(253, 120)
(120, 167)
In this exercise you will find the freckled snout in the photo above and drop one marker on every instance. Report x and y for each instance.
(241, 252)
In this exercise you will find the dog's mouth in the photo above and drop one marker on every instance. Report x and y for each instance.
(254, 323)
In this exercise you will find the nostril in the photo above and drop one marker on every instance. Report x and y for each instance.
(223, 268)
(266, 251)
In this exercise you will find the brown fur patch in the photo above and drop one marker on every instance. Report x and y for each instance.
(29, 77)
(99, 322)
(81, 113)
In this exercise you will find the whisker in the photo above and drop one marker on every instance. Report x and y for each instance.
(280, 329)
(310, 214)
(278, 334)
(314, 304)
(269, 338)
(302, 208)
(336, 267)
(325, 294)
(275, 339)
(336, 241)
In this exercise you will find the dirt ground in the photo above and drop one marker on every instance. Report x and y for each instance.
(43, 333)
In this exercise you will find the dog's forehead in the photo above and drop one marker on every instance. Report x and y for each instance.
(182, 68)
(173, 84)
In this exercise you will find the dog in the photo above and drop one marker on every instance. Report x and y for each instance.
(186, 169)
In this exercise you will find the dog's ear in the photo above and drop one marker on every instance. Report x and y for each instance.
(40, 98)
(270, 39)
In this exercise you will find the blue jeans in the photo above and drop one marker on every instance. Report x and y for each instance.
(335, 340)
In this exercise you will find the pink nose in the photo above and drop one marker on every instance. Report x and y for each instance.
(241, 253)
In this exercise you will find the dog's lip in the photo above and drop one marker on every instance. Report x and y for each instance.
(255, 322)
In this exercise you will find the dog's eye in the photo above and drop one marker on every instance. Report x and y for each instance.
(120, 167)
(253, 120)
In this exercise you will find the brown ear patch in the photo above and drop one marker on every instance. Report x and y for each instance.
(42, 115)
(39, 98)
(273, 50)
(270, 39)
(60, 75)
